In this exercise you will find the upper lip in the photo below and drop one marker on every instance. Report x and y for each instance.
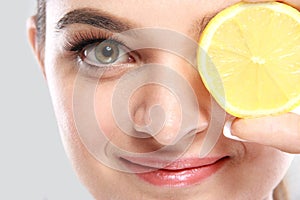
(179, 164)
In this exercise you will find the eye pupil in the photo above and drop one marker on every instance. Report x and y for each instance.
(107, 52)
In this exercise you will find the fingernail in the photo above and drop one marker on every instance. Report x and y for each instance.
(296, 111)
(227, 131)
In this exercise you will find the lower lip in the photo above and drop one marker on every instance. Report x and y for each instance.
(181, 177)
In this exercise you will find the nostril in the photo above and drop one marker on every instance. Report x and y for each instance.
(150, 121)
(139, 117)
(202, 126)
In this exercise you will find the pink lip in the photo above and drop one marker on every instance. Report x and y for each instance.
(180, 173)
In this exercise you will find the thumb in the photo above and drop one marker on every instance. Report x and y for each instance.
(281, 132)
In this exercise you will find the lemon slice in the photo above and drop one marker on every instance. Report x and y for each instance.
(249, 59)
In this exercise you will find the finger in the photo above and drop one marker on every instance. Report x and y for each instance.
(281, 132)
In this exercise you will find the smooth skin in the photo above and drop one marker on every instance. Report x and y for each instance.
(264, 160)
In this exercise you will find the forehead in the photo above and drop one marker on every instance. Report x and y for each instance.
(172, 14)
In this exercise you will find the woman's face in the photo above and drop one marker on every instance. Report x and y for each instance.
(128, 108)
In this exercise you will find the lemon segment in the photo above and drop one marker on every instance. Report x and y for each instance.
(249, 59)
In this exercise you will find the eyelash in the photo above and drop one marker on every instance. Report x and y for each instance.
(77, 43)
(80, 40)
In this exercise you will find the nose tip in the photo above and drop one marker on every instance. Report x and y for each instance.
(157, 114)
(153, 122)
(168, 131)
(170, 136)
(165, 119)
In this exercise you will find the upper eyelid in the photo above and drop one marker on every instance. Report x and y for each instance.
(123, 47)
(76, 40)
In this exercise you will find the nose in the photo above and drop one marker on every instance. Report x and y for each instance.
(173, 102)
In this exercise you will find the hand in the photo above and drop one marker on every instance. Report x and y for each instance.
(281, 132)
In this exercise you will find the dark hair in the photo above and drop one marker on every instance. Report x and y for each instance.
(280, 192)
(40, 21)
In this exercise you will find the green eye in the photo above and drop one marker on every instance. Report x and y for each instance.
(107, 52)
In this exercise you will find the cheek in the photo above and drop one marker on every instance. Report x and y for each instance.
(265, 165)
(93, 174)
(103, 109)
(268, 158)
(106, 114)
(254, 172)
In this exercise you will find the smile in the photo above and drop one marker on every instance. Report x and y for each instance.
(180, 173)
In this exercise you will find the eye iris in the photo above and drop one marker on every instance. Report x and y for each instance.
(107, 52)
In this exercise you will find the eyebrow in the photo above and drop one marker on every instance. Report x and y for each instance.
(96, 18)
(199, 25)
(103, 20)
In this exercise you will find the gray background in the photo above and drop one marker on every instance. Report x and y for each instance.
(33, 164)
